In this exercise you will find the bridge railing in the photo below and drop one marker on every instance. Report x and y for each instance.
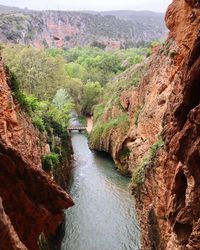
(79, 128)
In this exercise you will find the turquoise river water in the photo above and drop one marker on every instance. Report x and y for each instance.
(103, 217)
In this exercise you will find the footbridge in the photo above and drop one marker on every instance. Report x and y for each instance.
(79, 128)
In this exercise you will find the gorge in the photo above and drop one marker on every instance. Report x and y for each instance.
(166, 128)
(146, 116)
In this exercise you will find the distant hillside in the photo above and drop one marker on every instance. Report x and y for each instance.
(148, 18)
(8, 9)
(66, 29)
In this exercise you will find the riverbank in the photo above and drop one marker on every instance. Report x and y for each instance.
(89, 124)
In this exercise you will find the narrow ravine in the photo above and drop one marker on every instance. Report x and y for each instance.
(103, 217)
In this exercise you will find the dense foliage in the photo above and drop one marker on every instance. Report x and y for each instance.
(50, 83)
(95, 64)
(38, 73)
(75, 76)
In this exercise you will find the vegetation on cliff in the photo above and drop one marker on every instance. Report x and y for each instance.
(50, 83)
(24, 187)
(138, 176)
(102, 129)
(110, 30)
(80, 72)
(132, 102)
(109, 113)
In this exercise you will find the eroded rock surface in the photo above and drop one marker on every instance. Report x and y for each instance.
(32, 203)
(166, 103)
(171, 188)
(67, 29)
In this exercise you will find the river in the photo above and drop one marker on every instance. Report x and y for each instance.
(103, 217)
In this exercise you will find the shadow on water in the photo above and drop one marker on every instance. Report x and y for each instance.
(103, 217)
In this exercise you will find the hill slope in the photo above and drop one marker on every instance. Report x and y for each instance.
(68, 29)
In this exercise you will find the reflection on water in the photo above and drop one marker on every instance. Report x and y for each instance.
(103, 217)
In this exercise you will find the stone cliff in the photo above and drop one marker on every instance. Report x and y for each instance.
(165, 106)
(168, 201)
(31, 203)
(64, 29)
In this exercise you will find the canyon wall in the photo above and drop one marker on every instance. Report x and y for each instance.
(31, 202)
(162, 141)
(167, 202)
(65, 29)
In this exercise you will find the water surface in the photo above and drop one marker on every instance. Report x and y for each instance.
(103, 217)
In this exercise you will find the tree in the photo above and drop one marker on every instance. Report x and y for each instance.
(61, 108)
(60, 98)
(74, 89)
(90, 97)
(75, 70)
(38, 73)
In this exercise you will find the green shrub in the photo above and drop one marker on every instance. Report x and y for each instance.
(95, 135)
(50, 162)
(139, 174)
(98, 111)
(82, 120)
(103, 128)
(122, 121)
(124, 152)
(39, 123)
(15, 89)
(135, 80)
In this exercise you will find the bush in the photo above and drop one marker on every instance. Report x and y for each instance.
(82, 120)
(15, 89)
(96, 134)
(39, 123)
(102, 129)
(98, 111)
(154, 149)
(139, 174)
(50, 162)
(124, 152)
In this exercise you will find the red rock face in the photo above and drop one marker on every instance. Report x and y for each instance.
(63, 31)
(168, 202)
(16, 129)
(8, 236)
(32, 202)
(168, 100)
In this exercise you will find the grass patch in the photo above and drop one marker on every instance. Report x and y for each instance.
(101, 129)
(39, 123)
(98, 111)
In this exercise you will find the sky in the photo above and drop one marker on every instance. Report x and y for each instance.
(100, 5)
